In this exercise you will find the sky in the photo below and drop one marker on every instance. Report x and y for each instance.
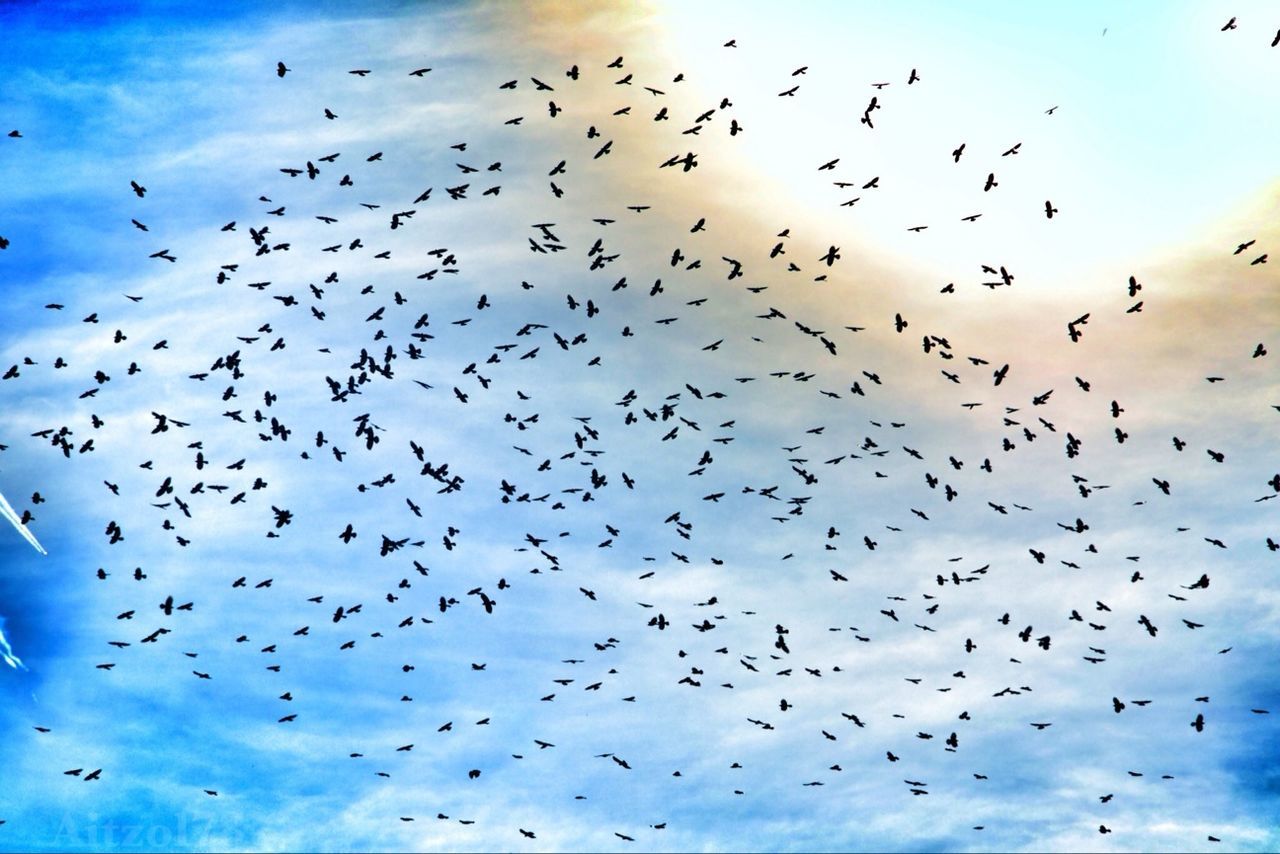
(658, 426)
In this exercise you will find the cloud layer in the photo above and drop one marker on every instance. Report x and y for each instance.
(497, 431)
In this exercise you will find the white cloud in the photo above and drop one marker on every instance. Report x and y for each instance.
(210, 136)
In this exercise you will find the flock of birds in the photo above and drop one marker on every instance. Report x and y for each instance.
(215, 450)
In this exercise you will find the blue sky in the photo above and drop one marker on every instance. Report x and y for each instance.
(775, 485)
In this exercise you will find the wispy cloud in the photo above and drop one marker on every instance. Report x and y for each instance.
(598, 479)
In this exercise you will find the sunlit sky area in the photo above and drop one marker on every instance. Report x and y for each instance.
(654, 426)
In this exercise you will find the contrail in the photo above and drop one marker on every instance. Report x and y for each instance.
(6, 651)
(7, 511)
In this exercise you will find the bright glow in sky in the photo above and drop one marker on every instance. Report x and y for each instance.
(424, 465)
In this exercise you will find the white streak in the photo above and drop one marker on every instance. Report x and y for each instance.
(6, 651)
(7, 511)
